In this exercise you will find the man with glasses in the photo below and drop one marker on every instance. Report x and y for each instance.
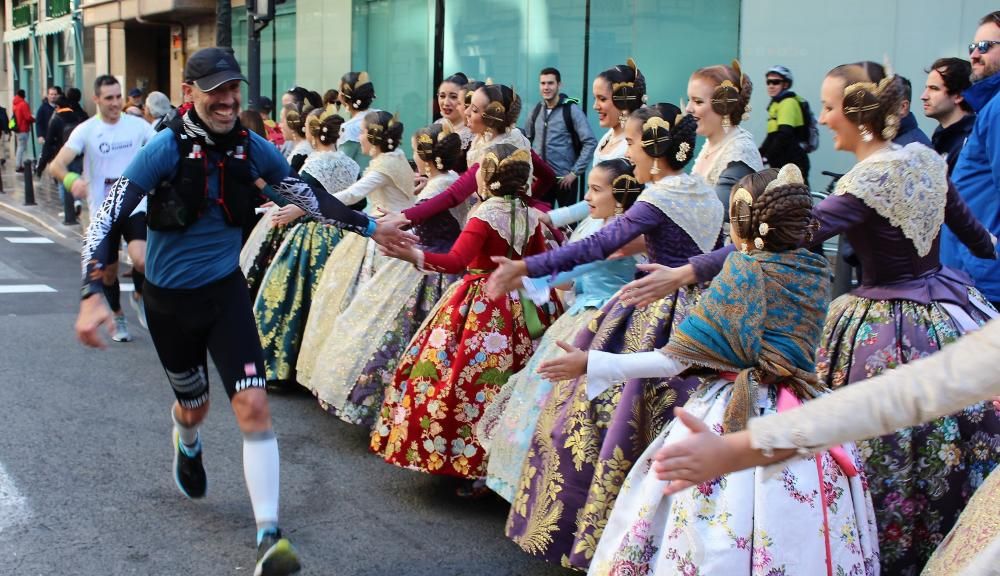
(977, 172)
(786, 124)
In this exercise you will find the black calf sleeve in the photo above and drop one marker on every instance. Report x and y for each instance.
(137, 280)
(114, 295)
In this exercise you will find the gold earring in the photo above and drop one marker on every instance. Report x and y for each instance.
(866, 134)
(622, 118)
(726, 124)
(656, 167)
(618, 209)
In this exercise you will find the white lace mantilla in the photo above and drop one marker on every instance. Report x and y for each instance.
(334, 170)
(302, 147)
(496, 212)
(479, 145)
(439, 184)
(737, 146)
(463, 131)
(394, 166)
(689, 201)
(908, 186)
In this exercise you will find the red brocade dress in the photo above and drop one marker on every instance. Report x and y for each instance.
(463, 354)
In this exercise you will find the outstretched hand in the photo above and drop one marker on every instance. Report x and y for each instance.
(506, 277)
(571, 365)
(389, 231)
(702, 456)
(94, 313)
(659, 283)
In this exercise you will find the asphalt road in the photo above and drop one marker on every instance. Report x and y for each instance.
(85, 456)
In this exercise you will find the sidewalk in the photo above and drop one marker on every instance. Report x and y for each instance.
(47, 210)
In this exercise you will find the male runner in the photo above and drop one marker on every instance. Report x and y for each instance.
(198, 177)
(108, 142)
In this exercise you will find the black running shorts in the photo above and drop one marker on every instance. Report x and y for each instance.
(217, 319)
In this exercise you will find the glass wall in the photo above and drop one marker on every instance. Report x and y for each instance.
(393, 41)
(277, 51)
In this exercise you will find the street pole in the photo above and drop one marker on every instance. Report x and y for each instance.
(224, 25)
(254, 28)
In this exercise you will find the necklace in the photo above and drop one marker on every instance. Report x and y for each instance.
(612, 141)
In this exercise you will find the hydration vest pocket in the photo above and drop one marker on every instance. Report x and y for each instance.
(237, 193)
(176, 204)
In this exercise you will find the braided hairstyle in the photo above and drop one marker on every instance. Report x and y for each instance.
(385, 131)
(325, 127)
(667, 133)
(331, 97)
(469, 88)
(871, 98)
(439, 146)
(628, 86)
(731, 98)
(503, 109)
(773, 215)
(624, 185)
(505, 169)
(295, 119)
(356, 91)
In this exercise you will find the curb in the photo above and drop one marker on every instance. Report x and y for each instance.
(67, 237)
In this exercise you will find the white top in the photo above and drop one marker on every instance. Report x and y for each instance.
(107, 150)
(350, 130)
(607, 368)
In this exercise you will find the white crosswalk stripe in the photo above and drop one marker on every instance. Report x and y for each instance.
(28, 240)
(26, 289)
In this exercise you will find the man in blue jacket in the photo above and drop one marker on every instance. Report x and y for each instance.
(977, 172)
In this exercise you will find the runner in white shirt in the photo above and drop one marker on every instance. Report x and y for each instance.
(108, 142)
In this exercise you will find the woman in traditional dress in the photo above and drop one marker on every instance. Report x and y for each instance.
(388, 183)
(356, 95)
(266, 237)
(283, 302)
(582, 448)
(387, 310)
(470, 345)
(618, 92)
(891, 206)
(510, 418)
(753, 335)
(492, 117)
(962, 374)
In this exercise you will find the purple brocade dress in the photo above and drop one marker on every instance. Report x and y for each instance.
(582, 450)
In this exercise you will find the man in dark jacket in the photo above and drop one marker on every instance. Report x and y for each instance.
(909, 132)
(67, 115)
(947, 78)
(45, 110)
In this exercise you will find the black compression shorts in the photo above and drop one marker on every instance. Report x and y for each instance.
(216, 319)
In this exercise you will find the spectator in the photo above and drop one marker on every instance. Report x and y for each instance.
(158, 110)
(947, 78)
(909, 132)
(786, 124)
(977, 172)
(22, 127)
(45, 111)
(274, 134)
(252, 121)
(134, 104)
(67, 116)
(563, 140)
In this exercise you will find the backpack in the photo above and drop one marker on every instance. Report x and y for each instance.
(567, 120)
(70, 122)
(809, 131)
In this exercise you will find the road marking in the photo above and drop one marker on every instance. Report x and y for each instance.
(28, 240)
(126, 287)
(26, 289)
(12, 229)
(13, 506)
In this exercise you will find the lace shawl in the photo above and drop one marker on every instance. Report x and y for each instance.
(302, 147)
(463, 131)
(908, 186)
(334, 170)
(496, 212)
(691, 204)
(394, 166)
(479, 145)
(439, 184)
(737, 146)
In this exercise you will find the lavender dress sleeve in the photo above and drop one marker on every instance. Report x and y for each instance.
(640, 218)
(835, 214)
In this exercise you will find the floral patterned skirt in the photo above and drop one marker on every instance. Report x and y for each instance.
(260, 249)
(510, 419)
(371, 335)
(283, 302)
(760, 521)
(582, 450)
(455, 364)
(346, 269)
(920, 477)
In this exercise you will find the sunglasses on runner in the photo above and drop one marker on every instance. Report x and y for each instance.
(775, 81)
(983, 46)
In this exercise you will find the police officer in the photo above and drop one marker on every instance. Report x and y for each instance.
(203, 178)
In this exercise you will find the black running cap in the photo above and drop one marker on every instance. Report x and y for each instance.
(210, 68)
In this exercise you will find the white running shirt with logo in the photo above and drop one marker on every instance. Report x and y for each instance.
(107, 150)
